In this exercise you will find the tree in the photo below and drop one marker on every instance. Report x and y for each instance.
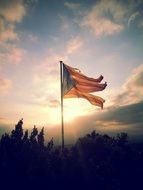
(50, 144)
(122, 139)
(25, 137)
(33, 136)
(17, 134)
(41, 137)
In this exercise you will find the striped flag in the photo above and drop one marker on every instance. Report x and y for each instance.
(75, 84)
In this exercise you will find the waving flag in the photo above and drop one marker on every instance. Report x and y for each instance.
(75, 84)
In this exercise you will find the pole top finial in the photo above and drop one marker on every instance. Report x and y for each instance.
(61, 61)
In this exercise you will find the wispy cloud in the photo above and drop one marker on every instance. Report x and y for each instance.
(32, 38)
(125, 113)
(46, 78)
(46, 73)
(72, 6)
(132, 90)
(5, 85)
(74, 45)
(54, 103)
(7, 32)
(64, 23)
(103, 27)
(16, 55)
(132, 18)
(27, 37)
(105, 18)
(11, 12)
(10, 54)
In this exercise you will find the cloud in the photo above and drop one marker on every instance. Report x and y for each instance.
(11, 12)
(103, 27)
(132, 18)
(46, 78)
(7, 32)
(32, 38)
(5, 85)
(74, 45)
(72, 6)
(105, 18)
(1, 24)
(46, 74)
(10, 54)
(65, 23)
(113, 120)
(54, 103)
(16, 55)
(48, 66)
(124, 115)
(132, 90)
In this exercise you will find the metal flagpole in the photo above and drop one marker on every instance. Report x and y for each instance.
(62, 118)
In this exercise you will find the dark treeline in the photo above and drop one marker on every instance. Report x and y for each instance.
(95, 161)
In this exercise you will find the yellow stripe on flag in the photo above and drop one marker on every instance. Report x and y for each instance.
(81, 85)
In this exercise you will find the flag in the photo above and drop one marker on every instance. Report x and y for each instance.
(75, 84)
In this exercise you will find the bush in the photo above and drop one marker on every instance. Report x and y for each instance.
(94, 161)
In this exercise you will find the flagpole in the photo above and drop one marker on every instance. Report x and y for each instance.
(62, 117)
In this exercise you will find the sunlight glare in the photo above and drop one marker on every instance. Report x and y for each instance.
(72, 109)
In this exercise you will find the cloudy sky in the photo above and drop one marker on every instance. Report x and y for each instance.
(96, 36)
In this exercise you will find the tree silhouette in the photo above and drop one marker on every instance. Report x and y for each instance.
(122, 139)
(41, 137)
(33, 136)
(18, 132)
(25, 137)
(95, 161)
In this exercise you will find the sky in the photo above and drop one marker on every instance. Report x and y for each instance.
(96, 36)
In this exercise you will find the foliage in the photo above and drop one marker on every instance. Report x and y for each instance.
(95, 161)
